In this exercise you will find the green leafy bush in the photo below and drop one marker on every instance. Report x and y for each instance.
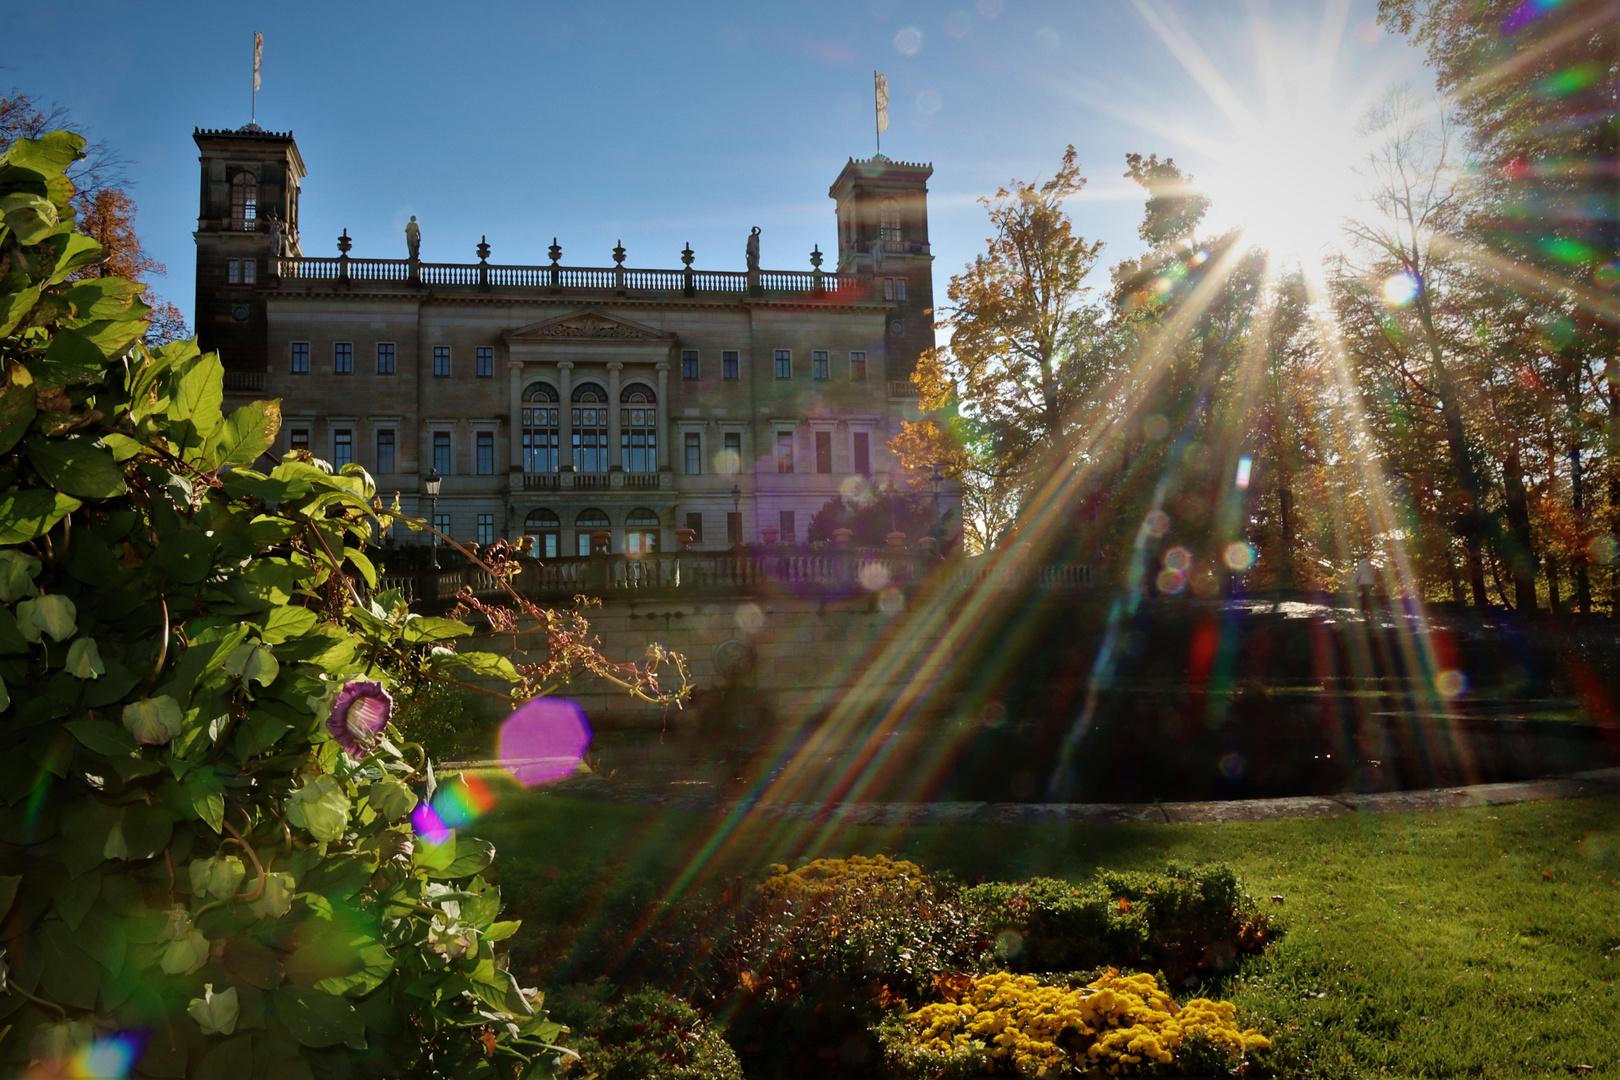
(206, 862)
(645, 1035)
(1186, 922)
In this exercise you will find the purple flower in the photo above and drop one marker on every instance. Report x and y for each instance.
(362, 709)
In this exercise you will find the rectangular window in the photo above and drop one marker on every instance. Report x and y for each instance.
(728, 365)
(298, 438)
(789, 536)
(734, 529)
(888, 288)
(385, 451)
(863, 453)
(486, 362)
(385, 358)
(731, 460)
(485, 446)
(300, 358)
(784, 451)
(689, 368)
(582, 542)
(900, 288)
(442, 523)
(248, 266)
(233, 272)
(818, 365)
(694, 453)
(343, 358)
(441, 360)
(441, 453)
(857, 367)
(342, 447)
(784, 364)
(824, 451)
(486, 528)
(695, 523)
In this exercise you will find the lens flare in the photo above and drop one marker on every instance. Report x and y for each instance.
(463, 802)
(1400, 289)
(1606, 276)
(1171, 582)
(544, 740)
(1239, 556)
(1178, 559)
(110, 1058)
(1245, 467)
(1156, 524)
(1603, 550)
(908, 41)
(1451, 684)
(1233, 766)
(428, 825)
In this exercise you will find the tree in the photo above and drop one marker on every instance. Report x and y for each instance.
(206, 817)
(1022, 359)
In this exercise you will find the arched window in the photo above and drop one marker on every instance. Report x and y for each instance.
(638, 429)
(540, 418)
(588, 522)
(889, 221)
(543, 532)
(641, 532)
(245, 201)
(590, 418)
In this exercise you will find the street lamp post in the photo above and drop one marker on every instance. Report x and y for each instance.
(430, 485)
(736, 513)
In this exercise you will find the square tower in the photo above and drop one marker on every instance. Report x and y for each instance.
(883, 231)
(246, 220)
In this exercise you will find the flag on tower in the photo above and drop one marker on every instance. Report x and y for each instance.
(258, 57)
(882, 102)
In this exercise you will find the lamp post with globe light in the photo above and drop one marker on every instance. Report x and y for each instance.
(430, 487)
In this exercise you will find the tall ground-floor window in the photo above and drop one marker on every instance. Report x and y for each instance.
(588, 522)
(641, 531)
(544, 531)
(540, 420)
(590, 416)
(638, 429)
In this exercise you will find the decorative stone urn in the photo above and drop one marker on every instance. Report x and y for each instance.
(842, 537)
(684, 538)
(896, 539)
(770, 534)
(600, 542)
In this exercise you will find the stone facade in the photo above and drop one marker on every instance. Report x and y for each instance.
(560, 403)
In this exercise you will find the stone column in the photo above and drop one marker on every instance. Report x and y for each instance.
(515, 461)
(565, 417)
(664, 428)
(615, 456)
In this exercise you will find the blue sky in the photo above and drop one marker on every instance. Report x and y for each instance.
(662, 123)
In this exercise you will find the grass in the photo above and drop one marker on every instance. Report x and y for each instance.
(1446, 944)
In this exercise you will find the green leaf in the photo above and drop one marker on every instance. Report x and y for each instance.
(248, 432)
(338, 877)
(78, 466)
(492, 665)
(16, 412)
(252, 662)
(253, 962)
(187, 556)
(502, 930)
(31, 217)
(280, 623)
(207, 797)
(50, 153)
(422, 629)
(70, 974)
(50, 614)
(321, 807)
(318, 1019)
(200, 395)
(17, 572)
(231, 1059)
(32, 512)
(84, 659)
(102, 736)
(72, 349)
(13, 307)
(8, 890)
(472, 855)
(102, 297)
(434, 857)
(154, 721)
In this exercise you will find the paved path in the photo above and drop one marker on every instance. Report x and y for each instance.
(1574, 786)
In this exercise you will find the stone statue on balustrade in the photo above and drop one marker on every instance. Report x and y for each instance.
(275, 236)
(753, 249)
(413, 239)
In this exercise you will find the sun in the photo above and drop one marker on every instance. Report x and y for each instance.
(1289, 180)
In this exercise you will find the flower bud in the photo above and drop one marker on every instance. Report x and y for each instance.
(215, 1013)
(277, 897)
(219, 877)
(154, 721)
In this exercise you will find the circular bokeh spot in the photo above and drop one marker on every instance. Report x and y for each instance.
(1400, 289)
(1239, 556)
(908, 41)
(544, 740)
(1451, 684)
(1233, 765)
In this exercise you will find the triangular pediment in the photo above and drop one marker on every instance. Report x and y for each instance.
(590, 325)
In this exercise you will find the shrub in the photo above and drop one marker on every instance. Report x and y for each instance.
(1021, 1025)
(1186, 922)
(823, 949)
(646, 1035)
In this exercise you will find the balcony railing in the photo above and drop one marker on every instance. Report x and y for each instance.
(251, 382)
(592, 481)
(296, 269)
(834, 573)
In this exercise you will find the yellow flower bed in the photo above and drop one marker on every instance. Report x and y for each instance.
(1014, 1023)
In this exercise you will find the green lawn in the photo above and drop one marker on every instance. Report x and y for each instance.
(1452, 943)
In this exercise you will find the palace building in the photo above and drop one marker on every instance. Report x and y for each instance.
(562, 402)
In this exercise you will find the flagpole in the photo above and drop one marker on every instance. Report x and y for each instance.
(876, 110)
